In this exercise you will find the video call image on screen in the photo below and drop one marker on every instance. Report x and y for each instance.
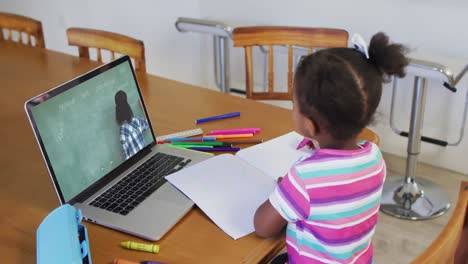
(81, 130)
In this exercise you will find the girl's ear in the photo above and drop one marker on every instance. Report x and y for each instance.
(311, 127)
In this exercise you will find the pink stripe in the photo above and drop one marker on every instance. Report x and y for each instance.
(292, 173)
(343, 221)
(347, 189)
(343, 177)
(366, 147)
(296, 258)
(321, 156)
(341, 201)
(345, 232)
(304, 259)
(366, 257)
(297, 198)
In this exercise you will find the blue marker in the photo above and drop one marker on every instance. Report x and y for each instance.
(198, 121)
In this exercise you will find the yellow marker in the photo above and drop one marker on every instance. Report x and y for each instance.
(153, 248)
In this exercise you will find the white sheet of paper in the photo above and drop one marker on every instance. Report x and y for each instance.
(227, 189)
(275, 156)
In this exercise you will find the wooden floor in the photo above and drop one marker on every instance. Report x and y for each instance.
(400, 241)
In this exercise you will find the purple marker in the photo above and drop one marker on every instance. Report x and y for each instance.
(215, 149)
(202, 120)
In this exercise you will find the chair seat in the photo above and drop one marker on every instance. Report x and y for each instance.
(369, 135)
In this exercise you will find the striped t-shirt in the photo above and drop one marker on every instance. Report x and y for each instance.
(331, 201)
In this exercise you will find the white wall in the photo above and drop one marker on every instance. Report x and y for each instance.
(168, 53)
(434, 30)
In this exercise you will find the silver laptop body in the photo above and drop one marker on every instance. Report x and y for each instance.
(80, 139)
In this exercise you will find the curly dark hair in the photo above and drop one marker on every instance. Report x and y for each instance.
(123, 111)
(344, 88)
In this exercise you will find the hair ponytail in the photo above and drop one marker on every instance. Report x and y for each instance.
(388, 58)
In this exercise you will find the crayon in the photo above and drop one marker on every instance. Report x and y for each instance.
(153, 248)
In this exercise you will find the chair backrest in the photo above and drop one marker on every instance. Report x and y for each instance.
(115, 43)
(24, 26)
(451, 246)
(310, 38)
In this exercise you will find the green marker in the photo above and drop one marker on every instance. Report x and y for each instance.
(189, 146)
(206, 143)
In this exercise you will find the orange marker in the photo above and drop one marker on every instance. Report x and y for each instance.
(123, 261)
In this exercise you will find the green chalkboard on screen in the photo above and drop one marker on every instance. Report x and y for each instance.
(80, 132)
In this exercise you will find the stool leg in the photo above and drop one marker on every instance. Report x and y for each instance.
(221, 55)
(403, 197)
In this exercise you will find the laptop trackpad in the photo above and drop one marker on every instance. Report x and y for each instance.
(167, 193)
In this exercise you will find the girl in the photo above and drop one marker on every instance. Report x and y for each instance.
(131, 127)
(330, 200)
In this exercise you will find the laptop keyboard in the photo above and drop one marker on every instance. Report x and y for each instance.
(134, 188)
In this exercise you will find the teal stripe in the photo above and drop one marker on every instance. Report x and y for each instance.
(282, 210)
(346, 213)
(318, 247)
(340, 171)
(289, 216)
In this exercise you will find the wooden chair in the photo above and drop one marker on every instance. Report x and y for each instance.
(290, 37)
(24, 26)
(451, 246)
(115, 43)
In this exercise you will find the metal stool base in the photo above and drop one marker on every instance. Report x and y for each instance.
(419, 200)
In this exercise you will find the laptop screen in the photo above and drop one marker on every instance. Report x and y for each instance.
(90, 126)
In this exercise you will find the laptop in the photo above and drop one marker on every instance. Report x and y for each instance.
(100, 150)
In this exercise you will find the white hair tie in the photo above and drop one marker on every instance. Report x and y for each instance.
(360, 44)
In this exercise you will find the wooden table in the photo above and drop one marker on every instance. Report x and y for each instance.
(26, 191)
